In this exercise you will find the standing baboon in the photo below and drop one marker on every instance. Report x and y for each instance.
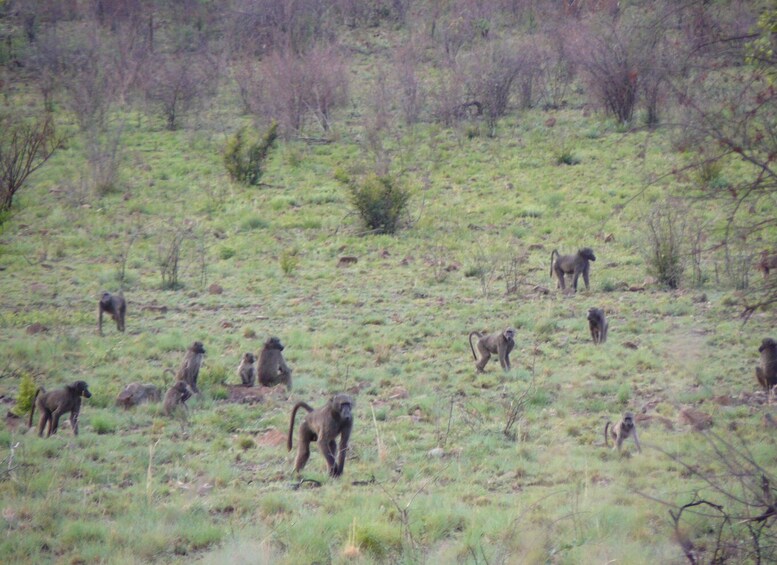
(272, 368)
(116, 306)
(246, 370)
(57, 402)
(499, 343)
(621, 431)
(598, 324)
(574, 265)
(766, 263)
(137, 393)
(767, 372)
(176, 396)
(190, 368)
(323, 426)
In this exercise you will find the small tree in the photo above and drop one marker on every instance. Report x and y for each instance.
(244, 159)
(666, 232)
(379, 200)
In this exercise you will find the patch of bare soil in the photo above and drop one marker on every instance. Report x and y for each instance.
(240, 394)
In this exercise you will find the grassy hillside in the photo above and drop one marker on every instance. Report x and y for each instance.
(484, 215)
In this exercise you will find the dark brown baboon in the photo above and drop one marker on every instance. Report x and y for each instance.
(190, 367)
(766, 263)
(137, 393)
(246, 370)
(323, 426)
(498, 343)
(574, 265)
(116, 306)
(621, 431)
(54, 404)
(272, 368)
(598, 324)
(767, 372)
(175, 397)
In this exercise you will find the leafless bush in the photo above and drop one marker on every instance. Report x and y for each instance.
(104, 154)
(181, 244)
(410, 87)
(555, 69)
(514, 406)
(666, 242)
(448, 98)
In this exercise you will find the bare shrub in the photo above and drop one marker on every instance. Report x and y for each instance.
(555, 69)
(104, 155)
(666, 232)
(174, 241)
(410, 87)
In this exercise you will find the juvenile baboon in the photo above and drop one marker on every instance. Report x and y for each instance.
(766, 263)
(190, 368)
(323, 426)
(499, 343)
(54, 404)
(598, 324)
(246, 370)
(272, 368)
(574, 265)
(137, 393)
(116, 306)
(621, 431)
(176, 396)
(767, 372)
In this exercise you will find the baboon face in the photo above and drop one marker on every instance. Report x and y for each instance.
(249, 358)
(197, 347)
(768, 343)
(587, 253)
(628, 421)
(341, 404)
(273, 343)
(80, 388)
(509, 333)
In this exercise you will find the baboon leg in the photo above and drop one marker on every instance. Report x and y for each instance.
(636, 440)
(560, 277)
(585, 279)
(44, 419)
(344, 437)
(328, 450)
(304, 438)
(54, 425)
(74, 422)
(759, 373)
(485, 355)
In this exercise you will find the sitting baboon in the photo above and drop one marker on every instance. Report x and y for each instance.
(767, 372)
(116, 306)
(246, 370)
(137, 393)
(766, 263)
(499, 343)
(190, 367)
(272, 368)
(57, 402)
(621, 431)
(598, 324)
(574, 265)
(176, 396)
(323, 426)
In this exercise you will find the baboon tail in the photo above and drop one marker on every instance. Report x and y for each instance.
(552, 253)
(169, 371)
(32, 410)
(297, 406)
(470, 343)
(606, 436)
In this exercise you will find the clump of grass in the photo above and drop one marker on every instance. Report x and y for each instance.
(227, 253)
(289, 260)
(252, 223)
(103, 424)
(246, 442)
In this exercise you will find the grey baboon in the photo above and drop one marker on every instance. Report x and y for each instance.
(116, 306)
(54, 404)
(498, 343)
(138, 393)
(190, 367)
(767, 372)
(574, 265)
(621, 431)
(598, 324)
(323, 426)
(766, 263)
(247, 370)
(176, 396)
(272, 368)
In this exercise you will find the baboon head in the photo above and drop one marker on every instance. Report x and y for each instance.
(628, 421)
(509, 333)
(587, 253)
(341, 406)
(273, 343)
(768, 343)
(249, 358)
(197, 347)
(80, 388)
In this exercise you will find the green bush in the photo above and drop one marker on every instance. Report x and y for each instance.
(379, 200)
(27, 390)
(244, 157)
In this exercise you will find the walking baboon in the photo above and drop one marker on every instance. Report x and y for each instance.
(246, 370)
(54, 404)
(499, 343)
(176, 396)
(767, 372)
(598, 324)
(574, 265)
(137, 393)
(621, 431)
(190, 368)
(323, 426)
(116, 306)
(766, 263)
(272, 368)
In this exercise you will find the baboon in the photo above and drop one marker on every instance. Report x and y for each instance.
(598, 324)
(500, 343)
(246, 370)
(272, 368)
(54, 404)
(190, 368)
(137, 393)
(116, 306)
(767, 372)
(323, 426)
(766, 263)
(574, 265)
(621, 431)
(176, 396)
